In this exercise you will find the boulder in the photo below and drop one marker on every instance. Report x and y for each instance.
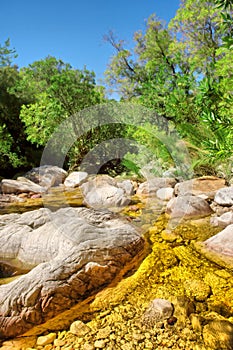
(76, 178)
(203, 186)
(151, 186)
(47, 175)
(102, 191)
(224, 196)
(165, 194)
(71, 254)
(219, 248)
(21, 185)
(188, 207)
(127, 186)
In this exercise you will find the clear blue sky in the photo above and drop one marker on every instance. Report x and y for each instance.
(73, 30)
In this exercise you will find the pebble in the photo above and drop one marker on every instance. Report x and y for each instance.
(46, 339)
(79, 328)
(99, 344)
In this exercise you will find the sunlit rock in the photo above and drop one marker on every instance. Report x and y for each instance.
(150, 187)
(187, 207)
(72, 253)
(224, 196)
(47, 175)
(104, 192)
(75, 179)
(21, 185)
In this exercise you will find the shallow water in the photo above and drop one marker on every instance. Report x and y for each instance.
(56, 198)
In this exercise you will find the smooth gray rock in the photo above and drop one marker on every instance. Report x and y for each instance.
(71, 254)
(127, 186)
(165, 194)
(219, 248)
(75, 179)
(47, 175)
(104, 192)
(223, 220)
(224, 196)
(20, 186)
(188, 207)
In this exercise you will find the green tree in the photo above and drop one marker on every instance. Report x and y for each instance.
(59, 91)
(15, 152)
(226, 7)
(183, 72)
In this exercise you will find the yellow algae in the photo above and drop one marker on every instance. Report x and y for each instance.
(170, 269)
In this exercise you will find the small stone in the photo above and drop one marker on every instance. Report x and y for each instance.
(139, 337)
(48, 347)
(87, 346)
(172, 320)
(158, 310)
(127, 346)
(79, 328)
(168, 236)
(103, 333)
(46, 339)
(99, 344)
(59, 342)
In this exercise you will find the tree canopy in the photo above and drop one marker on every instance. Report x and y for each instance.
(182, 70)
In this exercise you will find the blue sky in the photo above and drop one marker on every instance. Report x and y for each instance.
(73, 30)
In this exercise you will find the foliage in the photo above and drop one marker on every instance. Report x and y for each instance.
(183, 72)
(227, 21)
(15, 151)
(7, 55)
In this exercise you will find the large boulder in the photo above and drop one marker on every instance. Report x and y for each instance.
(70, 254)
(47, 175)
(202, 186)
(20, 185)
(188, 207)
(103, 191)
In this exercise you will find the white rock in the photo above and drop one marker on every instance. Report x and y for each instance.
(158, 310)
(75, 178)
(165, 194)
(223, 220)
(224, 196)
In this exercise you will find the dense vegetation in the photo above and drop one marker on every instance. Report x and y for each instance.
(182, 70)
